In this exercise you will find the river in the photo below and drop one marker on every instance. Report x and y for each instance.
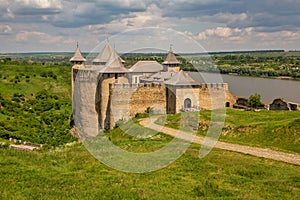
(242, 86)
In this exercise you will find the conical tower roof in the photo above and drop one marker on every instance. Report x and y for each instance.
(104, 55)
(181, 79)
(171, 59)
(114, 64)
(77, 56)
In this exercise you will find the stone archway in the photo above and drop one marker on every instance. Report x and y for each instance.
(187, 103)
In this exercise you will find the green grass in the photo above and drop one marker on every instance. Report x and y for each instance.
(278, 130)
(29, 79)
(132, 137)
(72, 173)
(35, 103)
(275, 129)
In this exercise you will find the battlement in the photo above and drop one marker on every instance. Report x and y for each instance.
(214, 85)
(133, 86)
(138, 85)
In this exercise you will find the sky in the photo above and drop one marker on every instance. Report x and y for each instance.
(217, 25)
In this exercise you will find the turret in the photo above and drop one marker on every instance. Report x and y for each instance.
(171, 62)
(77, 59)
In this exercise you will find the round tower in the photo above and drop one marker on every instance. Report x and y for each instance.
(77, 62)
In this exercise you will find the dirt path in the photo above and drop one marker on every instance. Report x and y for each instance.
(259, 152)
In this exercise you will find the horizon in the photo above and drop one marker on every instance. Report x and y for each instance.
(121, 53)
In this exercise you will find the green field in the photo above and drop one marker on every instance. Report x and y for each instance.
(72, 173)
(30, 79)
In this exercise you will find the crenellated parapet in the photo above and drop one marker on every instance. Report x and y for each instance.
(133, 86)
(214, 86)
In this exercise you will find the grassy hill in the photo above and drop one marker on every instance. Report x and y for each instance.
(278, 130)
(35, 103)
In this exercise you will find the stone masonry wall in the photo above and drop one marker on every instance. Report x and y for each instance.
(187, 93)
(214, 96)
(105, 99)
(153, 96)
(129, 99)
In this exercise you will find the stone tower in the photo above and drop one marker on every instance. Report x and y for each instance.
(182, 93)
(111, 70)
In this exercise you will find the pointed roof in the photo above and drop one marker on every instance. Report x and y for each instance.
(105, 54)
(114, 64)
(77, 56)
(181, 79)
(146, 67)
(171, 59)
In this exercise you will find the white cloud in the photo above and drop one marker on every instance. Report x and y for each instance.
(42, 4)
(3, 2)
(38, 36)
(152, 17)
(223, 32)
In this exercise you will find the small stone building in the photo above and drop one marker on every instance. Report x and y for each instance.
(241, 101)
(282, 104)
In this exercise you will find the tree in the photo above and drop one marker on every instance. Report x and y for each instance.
(254, 101)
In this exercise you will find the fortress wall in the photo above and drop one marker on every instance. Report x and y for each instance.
(230, 98)
(129, 99)
(153, 96)
(215, 96)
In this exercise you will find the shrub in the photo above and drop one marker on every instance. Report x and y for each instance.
(254, 101)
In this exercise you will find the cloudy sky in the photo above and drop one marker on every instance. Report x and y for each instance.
(218, 25)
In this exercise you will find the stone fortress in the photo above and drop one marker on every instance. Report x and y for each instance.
(105, 91)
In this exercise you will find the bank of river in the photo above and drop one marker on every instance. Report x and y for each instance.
(243, 86)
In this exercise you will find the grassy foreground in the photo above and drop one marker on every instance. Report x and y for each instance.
(278, 130)
(72, 173)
